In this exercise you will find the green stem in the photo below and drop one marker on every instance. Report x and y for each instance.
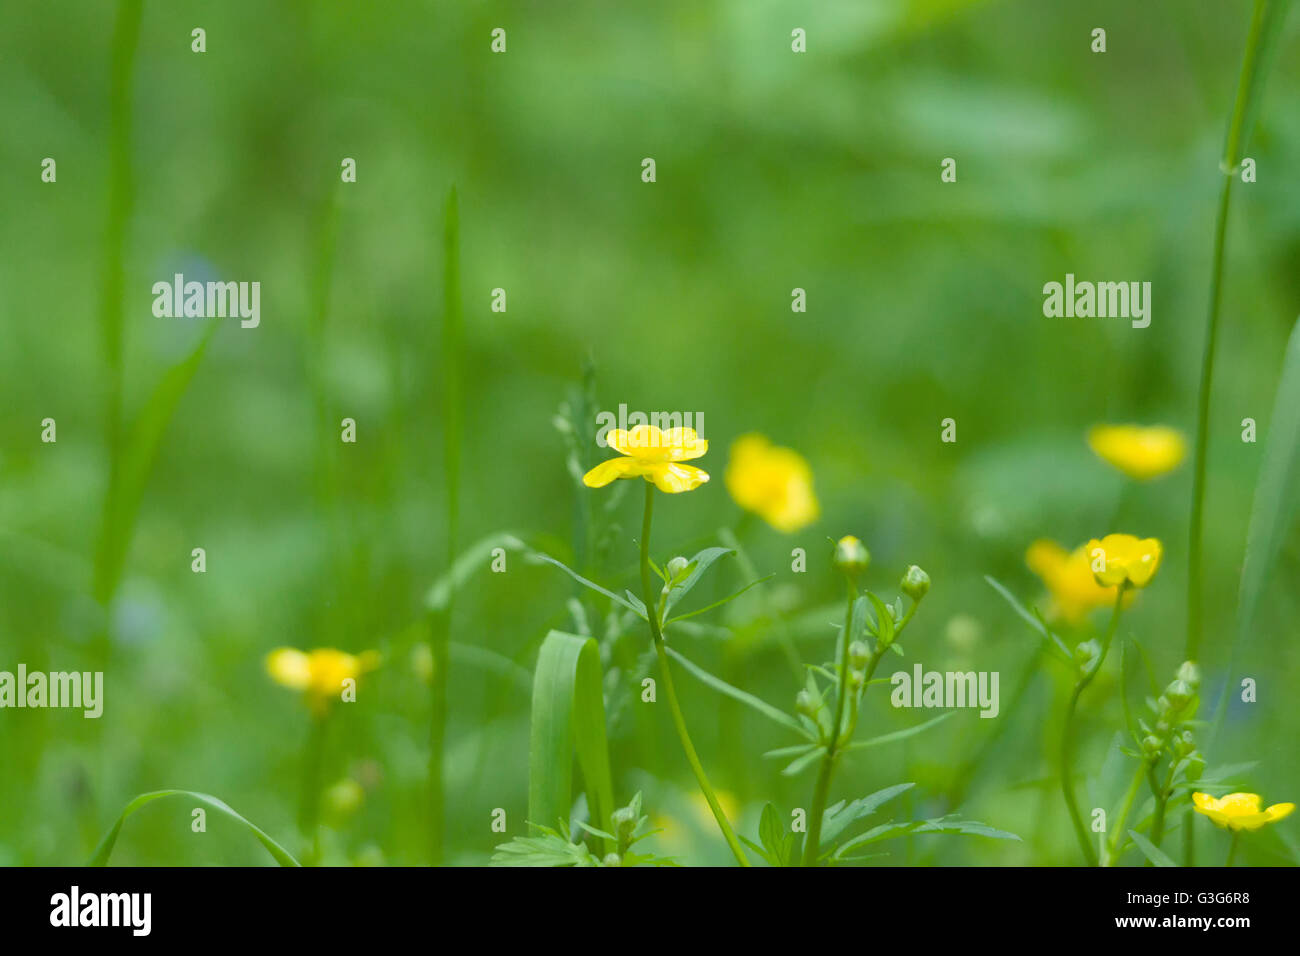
(821, 791)
(1232, 848)
(313, 766)
(1067, 734)
(1162, 801)
(656, 634)
(1118, 831)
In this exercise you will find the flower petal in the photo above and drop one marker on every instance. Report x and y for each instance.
(608, 471)
(289, 667)
(674, 478)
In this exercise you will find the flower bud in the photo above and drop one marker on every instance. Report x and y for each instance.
(1151, 746)
(1179, 692)
(850, 556)
(859, 655)
(915, 583)
(676, 566)
(624, 820)
(612, 859)
(1086, 652)
(1190, 674)
(856, 679)
(804, 703)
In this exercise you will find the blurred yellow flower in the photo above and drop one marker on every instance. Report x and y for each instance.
(1124, 559)
(1239, 811)
(1141, 452)
(653, 455)
(775, 483)
(1069, 580)
(320, 673)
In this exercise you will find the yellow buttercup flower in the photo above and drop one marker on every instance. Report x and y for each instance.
(1069, 580)
(1123, 559)
(1141, 452)
(1239, 811)
(775, 483)
(654, 455)
(319, 674)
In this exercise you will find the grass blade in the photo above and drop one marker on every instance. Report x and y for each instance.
(568, 717)
(105, 849)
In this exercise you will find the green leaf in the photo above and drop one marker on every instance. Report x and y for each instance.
(1265, 28)
(122, 506)
(884, 620)
(735, 693)
(568, 716)
(725, 600)
(698, 566)
(1150, 850)
(550, 848)
(637, 608)
(476, 557)
(887, 831)
(899, 734)
(1277, 491)
(839, 817)
(105, 849)
(1035, 622)
(799, 764)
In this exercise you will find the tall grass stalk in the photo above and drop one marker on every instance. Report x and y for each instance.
(440, 620)
(1265, 27)
(121, 199)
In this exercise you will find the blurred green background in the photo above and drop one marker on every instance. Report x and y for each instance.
(774, 171)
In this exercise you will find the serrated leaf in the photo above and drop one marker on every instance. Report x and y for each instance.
(839, 817)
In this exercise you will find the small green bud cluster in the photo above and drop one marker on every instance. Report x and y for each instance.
(1173, 712)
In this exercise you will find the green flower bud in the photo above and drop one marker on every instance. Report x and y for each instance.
(1190, 674)
(856, 679)
(1179, 692)
(915, 583)
(805, 704)
(676, 566)
(1086, 652)
(850, 556)
(612, 859)
(624, 821)
(1151, 746)
(859, 655)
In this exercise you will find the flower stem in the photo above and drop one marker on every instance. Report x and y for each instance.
(1067, 734)
(1232, 847)
(1233, 144)
(656, 634)
(821, 791)
(1117, 832)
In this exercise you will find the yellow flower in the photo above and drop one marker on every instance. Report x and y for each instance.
(320, 673)
(1141, 452)
(653, 455)
(1239, 811)
(1124, 559)
(774, 483)
(1069, 579)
